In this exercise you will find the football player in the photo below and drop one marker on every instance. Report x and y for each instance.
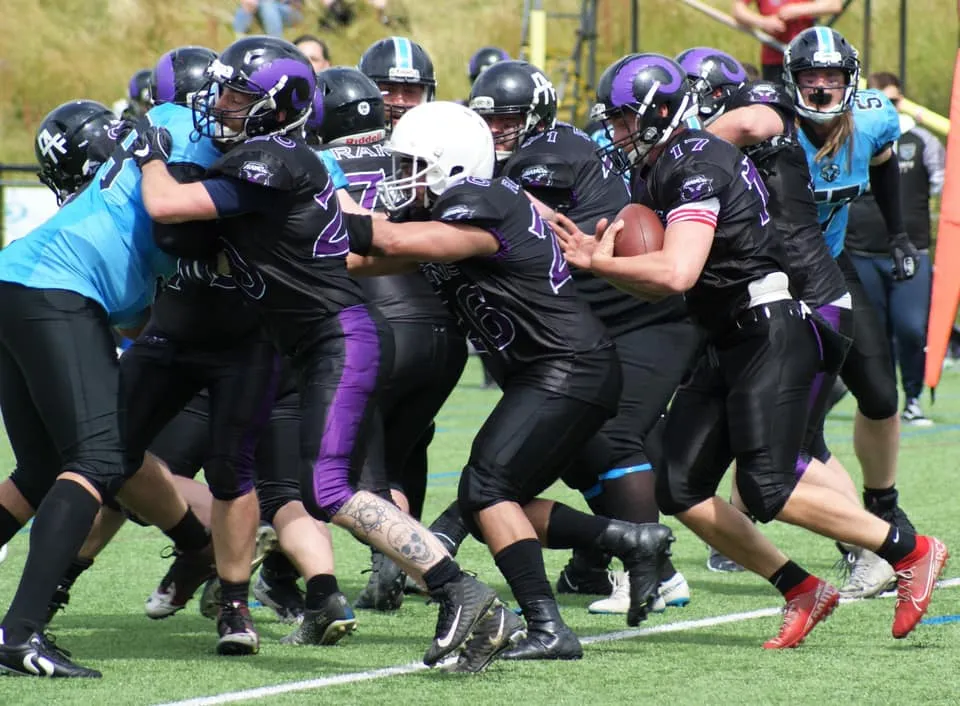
(848, 136)
(747, 396)
(656, 343)
(483, 59)
(67, 424)
(288, 256)
(498, 267)
(429, 349)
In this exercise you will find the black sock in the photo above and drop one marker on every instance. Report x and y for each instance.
(449, 528)
(788, 577)
(77, 567)
(878, 500)
(278, 567)
(522, 566)
(319, 588)
(441, 573)
(898, 544)
(234, 592)
(62, 523)
(189, 534)
(9, 525)
(572, 529)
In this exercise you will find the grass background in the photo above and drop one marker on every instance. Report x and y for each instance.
(57, 50)
(851, 659)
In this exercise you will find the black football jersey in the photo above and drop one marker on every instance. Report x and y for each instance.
(201, 304)
(561, 167)
(400, 298)
(814, 276)
(519, 307)
(291, 260)
(695, 166)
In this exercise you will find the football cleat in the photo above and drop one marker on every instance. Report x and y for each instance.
(333, 621)
(463, 603)
(40, 657)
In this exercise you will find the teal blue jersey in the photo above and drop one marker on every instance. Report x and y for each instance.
(100, 244)
(840, 179)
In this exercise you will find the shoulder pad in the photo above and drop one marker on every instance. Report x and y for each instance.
(876, 118)
(257, 164)
(540, 170)
(762, 93)
(474, 201)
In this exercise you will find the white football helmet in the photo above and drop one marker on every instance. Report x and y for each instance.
(435, 145)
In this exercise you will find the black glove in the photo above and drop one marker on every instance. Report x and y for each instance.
(152, 143)
(904, 256)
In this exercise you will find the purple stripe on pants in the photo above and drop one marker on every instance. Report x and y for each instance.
(348, 409)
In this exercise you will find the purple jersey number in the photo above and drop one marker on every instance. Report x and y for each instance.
(366, 184)
(559, 270)
(333, 240)
(755, 183)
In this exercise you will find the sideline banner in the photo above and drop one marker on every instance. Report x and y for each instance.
(25, 208)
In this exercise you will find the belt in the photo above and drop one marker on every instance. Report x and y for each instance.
(765, 312)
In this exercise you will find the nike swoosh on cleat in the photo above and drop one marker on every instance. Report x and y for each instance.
(35, 664)
(499, 634)
(448, 638)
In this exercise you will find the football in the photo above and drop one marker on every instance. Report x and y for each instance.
(642, 231)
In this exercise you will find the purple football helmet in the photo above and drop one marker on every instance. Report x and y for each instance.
(714, 75)
(278, 79)
(652, 94)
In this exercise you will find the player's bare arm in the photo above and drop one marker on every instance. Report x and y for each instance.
(431, 241)
(168, 201)
(748, 125)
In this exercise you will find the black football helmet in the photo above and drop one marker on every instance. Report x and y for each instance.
(714, 76)
(515, 88)
(180, 74)
(274, 73)
(483, 59)
(352, 107)
(73, 140)
(398, 60)
(652, 93)
(821, 48)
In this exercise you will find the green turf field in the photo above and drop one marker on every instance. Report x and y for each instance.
(851, 659)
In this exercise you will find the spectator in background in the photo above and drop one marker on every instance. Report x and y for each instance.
(315, 49)
(903, 305)
(273, 15)
(784, 19)
(752, 72)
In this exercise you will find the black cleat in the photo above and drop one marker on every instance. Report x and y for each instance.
(547, 636)
(384, 589)
(281, 594)
(500, 630)
(238, 636)
(40, 657)
(644, 550)
(586, 573)
(188, 572)
(463, 603)
(326, 626)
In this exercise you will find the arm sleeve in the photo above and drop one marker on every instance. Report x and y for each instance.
(234, 197)
(885, 185)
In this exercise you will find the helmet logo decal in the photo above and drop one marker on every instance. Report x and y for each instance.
(543, 87)
(363, 108)
(49, 145)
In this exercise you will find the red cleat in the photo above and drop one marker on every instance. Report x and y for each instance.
(916, 577)
(803, 611)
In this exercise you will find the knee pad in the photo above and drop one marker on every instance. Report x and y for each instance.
(275, 494)
(669, 499)
(878, 402)
(480, 488)
(227, 480)
(764, 501)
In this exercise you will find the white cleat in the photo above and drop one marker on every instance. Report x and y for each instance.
(869, 577)
(672, 592)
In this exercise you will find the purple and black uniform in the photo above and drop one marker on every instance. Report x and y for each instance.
(552, 357)
(656, 342)
(286, 240)
(815, 277)
(747, 396)
(430, 351)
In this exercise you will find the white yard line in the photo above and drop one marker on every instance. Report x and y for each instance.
(399, 670)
